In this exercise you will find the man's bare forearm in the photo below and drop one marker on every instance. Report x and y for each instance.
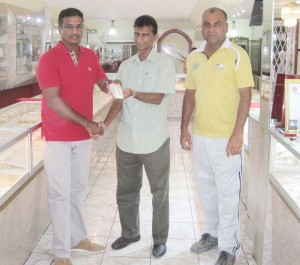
(187, 108)
(152, 98)
(114, 110)
(243, 110)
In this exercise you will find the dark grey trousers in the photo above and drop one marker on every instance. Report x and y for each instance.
(130, 173)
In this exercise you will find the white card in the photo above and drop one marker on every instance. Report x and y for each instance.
(116, 90)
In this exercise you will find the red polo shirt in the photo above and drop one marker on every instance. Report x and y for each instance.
(76, 83)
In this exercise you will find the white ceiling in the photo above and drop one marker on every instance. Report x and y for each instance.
(166, 10)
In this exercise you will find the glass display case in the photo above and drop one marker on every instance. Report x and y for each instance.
(20, 158)
(29, 45)
(21, 144)
(25, 114)
(284, 160)
(21, 44)
(248, 137)
(285, 169)
(3, 47)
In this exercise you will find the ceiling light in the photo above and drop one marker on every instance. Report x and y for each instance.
(290, 14)
(112, 31)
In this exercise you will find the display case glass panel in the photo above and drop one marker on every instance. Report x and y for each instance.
(20, 158)
(21, 115)
(284, 162)
(21, 152)
(285, 169)
(3, 44)
(14, 160)
(37, 148)
(20, 145)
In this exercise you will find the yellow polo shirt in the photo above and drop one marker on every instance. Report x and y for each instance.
(216, 81)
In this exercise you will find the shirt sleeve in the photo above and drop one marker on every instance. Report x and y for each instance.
(167, 76)
(244, 77)
(190, 82)
(48, 72)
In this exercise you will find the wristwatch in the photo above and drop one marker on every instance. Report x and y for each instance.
(133, 93)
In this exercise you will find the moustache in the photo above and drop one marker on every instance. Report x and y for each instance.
(75, 36)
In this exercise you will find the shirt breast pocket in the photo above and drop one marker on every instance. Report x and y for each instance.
(149, 81)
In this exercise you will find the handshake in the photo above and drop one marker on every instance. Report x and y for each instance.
(115, 89)
(95, 129)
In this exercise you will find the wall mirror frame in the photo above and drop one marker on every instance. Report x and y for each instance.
(177, 44)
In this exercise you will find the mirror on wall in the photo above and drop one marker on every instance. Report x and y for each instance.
(177, 44)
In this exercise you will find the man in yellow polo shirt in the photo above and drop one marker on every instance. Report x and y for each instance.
(218, 87)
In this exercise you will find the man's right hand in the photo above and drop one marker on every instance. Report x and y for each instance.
(94, 130)
(186, 140)
(128, 92)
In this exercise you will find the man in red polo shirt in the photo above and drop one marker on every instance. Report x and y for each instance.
(67, 74)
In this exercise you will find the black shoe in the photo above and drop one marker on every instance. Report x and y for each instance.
(123, 242)
(159, 250)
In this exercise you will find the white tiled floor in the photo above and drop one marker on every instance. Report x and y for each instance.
(186, 216)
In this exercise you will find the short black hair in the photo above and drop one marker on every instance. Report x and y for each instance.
(146, 20)
(69, 12)
(215, 9)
